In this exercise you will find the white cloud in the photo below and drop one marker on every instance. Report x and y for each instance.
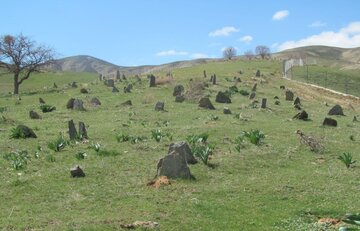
(280, 15)
(346, 37)
(246, 38)
(198, 56)
(171, 53)
(317, 24)
(225, 31)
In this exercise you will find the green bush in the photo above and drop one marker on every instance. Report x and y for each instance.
(59, 144)
(47, 108)
(18, 159)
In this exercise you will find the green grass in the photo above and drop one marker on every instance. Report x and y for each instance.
(259, 188)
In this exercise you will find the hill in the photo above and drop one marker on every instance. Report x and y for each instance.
(345, 58)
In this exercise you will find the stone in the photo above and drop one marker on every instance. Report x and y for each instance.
(41, 101)
(26, 131)
(257, 74)
(95, 101)
(252, 95)
(355, 119)
(330, 122)
(206, 103)
(72, 130)
(84, 91)
(204, 73)
(289, 95)
(114, 90)
(127, 103)
(77, 172)
(78, 105)
(110, 83)
(34, 115)
(74, 85)
(183, 148)
(82, 131)
(137, 78)
(178, 90)
(211, 78)
(282, 87)
(276, 97)
(254, 87)
(123, 77)
(297, 106)
(336, 110)
(174, 165)
(70, 103)
(128, 88)
(238, 80)
(263, 103)
(277, 102)
(152, 80)
(222, 97)
(179, 98)
(226, 111)
(101, 77)
(159, 106)
(303, 115)
(297, 101)
(55, 86)
(214, 79)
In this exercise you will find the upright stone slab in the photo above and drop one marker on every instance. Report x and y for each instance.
(159, 106)
(128, 88)
(297, 101)
(206, 103)
(183, 148)
(178, 90)
(82, 131)
(174, 165)
(204, 73)
(72, 130)
(252, 95)
(110, 83)
(289, 95)
(222, 97)
(214, 80)
(114, 90)
(211, 78)
(152, 81)
(336, 110)
(41, 101)
(263, 103)
(329, 122)
(70, 103)
(303, 115)
(55, 86)
(257, 74)
(254, 87)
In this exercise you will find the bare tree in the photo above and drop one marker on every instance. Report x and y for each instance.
(21, 57)
(263, 51)
(229, 52)
(249, 54)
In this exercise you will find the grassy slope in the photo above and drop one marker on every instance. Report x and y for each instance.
(253, 190)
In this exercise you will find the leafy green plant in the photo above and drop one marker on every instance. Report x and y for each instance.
(59, 144)
(213, 117)
(254, 136)
(47, 108)
(353, 219)
(122, 137)
(193, 139)
(158, 135)
(239, 143)
(347, 159)
(95, 146)
(80, 155)
(3, 109)
(132, 139)
(18, 159)
(50, 158)
(199, 147)
(17, 133)
(244, 92)
(352, 137)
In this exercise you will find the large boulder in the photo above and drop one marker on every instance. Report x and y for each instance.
(183, 148)
(222, 97)
(178, 90)
(174, 165)
(206, 103)
(336, 110)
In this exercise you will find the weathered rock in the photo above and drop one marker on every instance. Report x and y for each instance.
(257, 74)
(78, 105)
(179, 98)
(128, 88)
(110, 83)
(77, 172)
(84, 91)
(114, 90)
(252, 95)
(74, 85)
(123, 77)
(70, 103)
(178, 90)
(238, 80)
(211, 78)
(26, 132)
(330, 122)
(254, 87)
(214, 79)
(72, 130)
(303, 115)
(174, 165)
(95, 101)
(355, 119)
(282, 87)
(204, 73)
(277, 102)
(152, 80)
(41, 101)
(226, 111)
(297, 101)
(55, 86)
(289, 95)
(276, 97)
(206, 103)
(297, 106)
(222, 97)
(263, 103)
(159, 106)
(183, 148)
(336, 110)
(127, 103)
(82, 131)
(34, 115)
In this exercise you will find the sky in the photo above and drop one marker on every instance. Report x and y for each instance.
(150, 32)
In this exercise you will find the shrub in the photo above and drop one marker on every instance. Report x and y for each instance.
(18, 159)
(213, 117)
(239, 142)
(132, 139)
(347, 159)
(158, 135)
(80, 155)
(3, 109)
(199, 147)
(244, 92)
(193, 139)
(95, 146)
(254, 136)
(47, 108)
(59, 144)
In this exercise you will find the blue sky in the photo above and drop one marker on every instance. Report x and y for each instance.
(140, 32)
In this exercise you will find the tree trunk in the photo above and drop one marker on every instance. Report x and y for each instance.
(16, 84)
